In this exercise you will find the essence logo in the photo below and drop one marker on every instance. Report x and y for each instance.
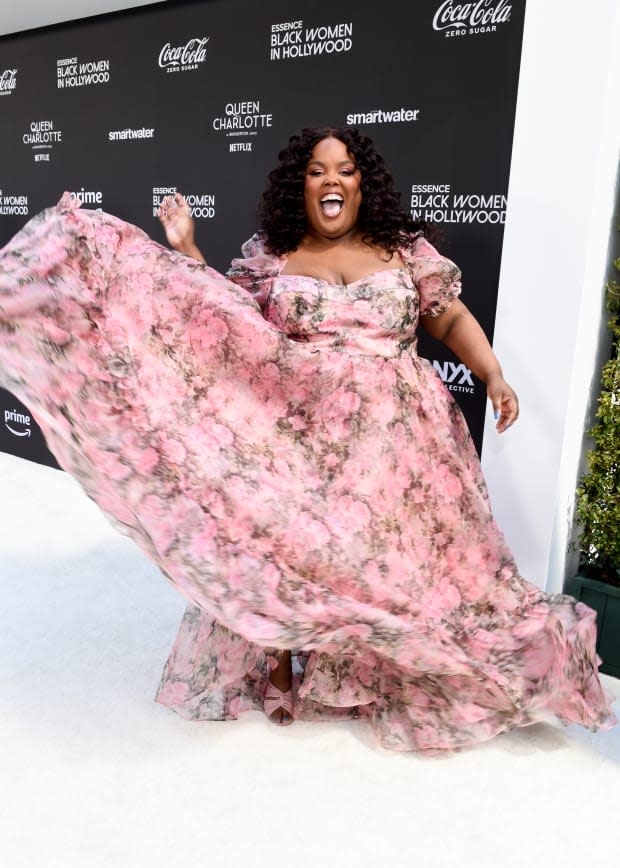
(202, 205)
(449, 372)
(289, 39)
(12, 204)
(70, 73)
(18, 421)
(184, 57)
(8, 82)
(436, 203)
(461, 19)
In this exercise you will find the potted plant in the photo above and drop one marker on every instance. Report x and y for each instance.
(598, 505)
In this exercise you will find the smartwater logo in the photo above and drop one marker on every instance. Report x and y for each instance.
(461, 19)
(8, 82)
(456, 377)
(379, 116)
(18, 422)
(181, 58)
(123, 135)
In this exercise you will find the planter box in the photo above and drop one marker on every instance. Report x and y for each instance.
(605, 600)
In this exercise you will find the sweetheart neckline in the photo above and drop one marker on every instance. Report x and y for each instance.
(352, 283)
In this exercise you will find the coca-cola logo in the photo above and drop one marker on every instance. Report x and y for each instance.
(460, 16)
(8, 81)
(186, 56)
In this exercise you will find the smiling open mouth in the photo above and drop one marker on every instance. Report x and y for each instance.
(332, 204)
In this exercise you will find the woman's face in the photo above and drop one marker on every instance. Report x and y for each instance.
(332, 193)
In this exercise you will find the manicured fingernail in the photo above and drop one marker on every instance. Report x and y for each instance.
(496, 414)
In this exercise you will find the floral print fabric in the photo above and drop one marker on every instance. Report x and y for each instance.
(302, 477)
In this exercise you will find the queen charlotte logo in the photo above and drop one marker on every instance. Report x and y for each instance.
(42, 136)
(468, 19)
(182, 58)
(242, 118)
(8, 82)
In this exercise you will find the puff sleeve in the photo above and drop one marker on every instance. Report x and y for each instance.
(438, 279)
(256, 269)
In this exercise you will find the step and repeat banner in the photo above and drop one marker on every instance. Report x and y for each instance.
(200, 97)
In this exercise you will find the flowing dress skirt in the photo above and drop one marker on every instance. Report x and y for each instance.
(304, 498)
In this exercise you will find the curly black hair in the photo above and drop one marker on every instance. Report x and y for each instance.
(381, 218)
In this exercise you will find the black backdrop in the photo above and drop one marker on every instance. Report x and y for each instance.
(201, 96)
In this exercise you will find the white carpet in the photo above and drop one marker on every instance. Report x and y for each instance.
(93, 773)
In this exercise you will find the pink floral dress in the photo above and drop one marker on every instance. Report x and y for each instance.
(302, 477)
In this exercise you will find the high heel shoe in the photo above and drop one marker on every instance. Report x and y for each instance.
(275, 699)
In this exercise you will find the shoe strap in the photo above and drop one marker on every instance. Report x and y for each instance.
(275, 698)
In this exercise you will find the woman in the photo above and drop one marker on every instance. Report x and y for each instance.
(317, 487)
(311, 215)
(331, 214)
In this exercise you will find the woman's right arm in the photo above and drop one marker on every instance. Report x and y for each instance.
(254, 272)
(176, 218)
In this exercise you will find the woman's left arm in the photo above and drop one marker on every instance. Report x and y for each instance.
(461, 332)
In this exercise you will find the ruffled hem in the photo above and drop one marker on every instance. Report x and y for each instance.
(432, 712)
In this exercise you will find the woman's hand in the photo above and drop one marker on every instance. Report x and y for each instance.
(460, 331)
(176, 218)
(504, 400)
